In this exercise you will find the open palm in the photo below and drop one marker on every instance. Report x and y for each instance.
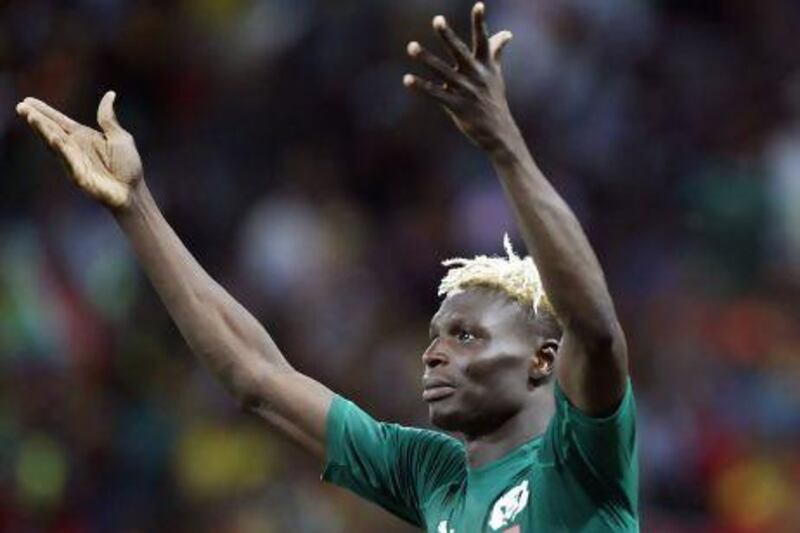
(106, 164)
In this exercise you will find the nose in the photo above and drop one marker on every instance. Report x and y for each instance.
(433, 357)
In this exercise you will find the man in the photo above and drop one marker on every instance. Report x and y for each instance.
(530, 366)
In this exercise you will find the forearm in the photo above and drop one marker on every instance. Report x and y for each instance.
(474, 96)
(592, 352)
(570, 272)
(218, 329)
(222, 333)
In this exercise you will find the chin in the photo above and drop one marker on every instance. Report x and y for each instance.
(445, 419)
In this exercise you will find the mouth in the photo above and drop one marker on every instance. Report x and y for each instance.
(435, 389)
(438, 392)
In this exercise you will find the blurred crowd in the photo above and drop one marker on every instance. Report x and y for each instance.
(280, 143)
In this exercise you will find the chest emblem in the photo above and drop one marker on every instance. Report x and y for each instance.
(509, 505)
(443, 528)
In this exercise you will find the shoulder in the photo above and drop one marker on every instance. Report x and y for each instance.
(431, 449)
(348, 422)
(623, 413)
(599, 454)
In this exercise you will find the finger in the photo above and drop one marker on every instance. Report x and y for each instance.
(56, 139)
(480, 35)
(45, 127)
(437, 92)
(445, 71)
(71, 156)
(454, 44)
(63, 121)
(498, 42)
(106, 117)
(54, 136)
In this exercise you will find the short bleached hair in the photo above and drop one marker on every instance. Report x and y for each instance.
(516, 276)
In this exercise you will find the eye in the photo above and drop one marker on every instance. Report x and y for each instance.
(465, 337)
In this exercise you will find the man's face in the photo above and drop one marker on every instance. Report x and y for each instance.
(477, 365)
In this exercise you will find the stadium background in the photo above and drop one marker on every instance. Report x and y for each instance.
(281, 145)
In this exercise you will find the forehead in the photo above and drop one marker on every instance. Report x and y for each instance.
(484, 306)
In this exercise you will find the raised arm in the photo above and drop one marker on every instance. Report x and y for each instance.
(237, 349)
(592, 360)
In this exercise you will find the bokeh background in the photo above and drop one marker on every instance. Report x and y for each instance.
(281, 145)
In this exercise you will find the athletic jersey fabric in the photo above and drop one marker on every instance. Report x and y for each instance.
(580, 475)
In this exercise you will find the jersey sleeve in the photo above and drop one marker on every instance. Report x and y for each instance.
(396, 467)
(600, 453)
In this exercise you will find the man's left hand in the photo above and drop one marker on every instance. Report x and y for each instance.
(472, 90)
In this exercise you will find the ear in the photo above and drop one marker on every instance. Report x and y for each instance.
(543, 361)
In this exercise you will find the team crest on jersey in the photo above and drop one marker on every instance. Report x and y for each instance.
(443, 528)
(508, 506)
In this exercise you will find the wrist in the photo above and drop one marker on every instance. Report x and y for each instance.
(509, 147)
(138, 200)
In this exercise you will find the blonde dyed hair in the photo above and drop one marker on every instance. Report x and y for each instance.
(516, 276)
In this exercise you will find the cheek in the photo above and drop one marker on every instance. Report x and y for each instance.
(498, 363)
(498, 378)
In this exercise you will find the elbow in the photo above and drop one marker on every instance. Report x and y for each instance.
(601, 337)
(243, 383)
(249, 397)
(250, 403)
(250, 385)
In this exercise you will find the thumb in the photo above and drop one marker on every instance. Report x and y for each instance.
(498, 41)
(106, 116)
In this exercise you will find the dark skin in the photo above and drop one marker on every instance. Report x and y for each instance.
(487, 350)
(592, 361)
(498, 401)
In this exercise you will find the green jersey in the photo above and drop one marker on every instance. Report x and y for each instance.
(580, 475)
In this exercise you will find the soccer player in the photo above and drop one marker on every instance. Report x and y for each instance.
(527, 360)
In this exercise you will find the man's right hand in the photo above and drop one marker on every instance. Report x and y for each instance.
(104, 164)
(221, 332)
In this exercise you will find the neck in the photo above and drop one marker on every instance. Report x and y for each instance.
(530, 422)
